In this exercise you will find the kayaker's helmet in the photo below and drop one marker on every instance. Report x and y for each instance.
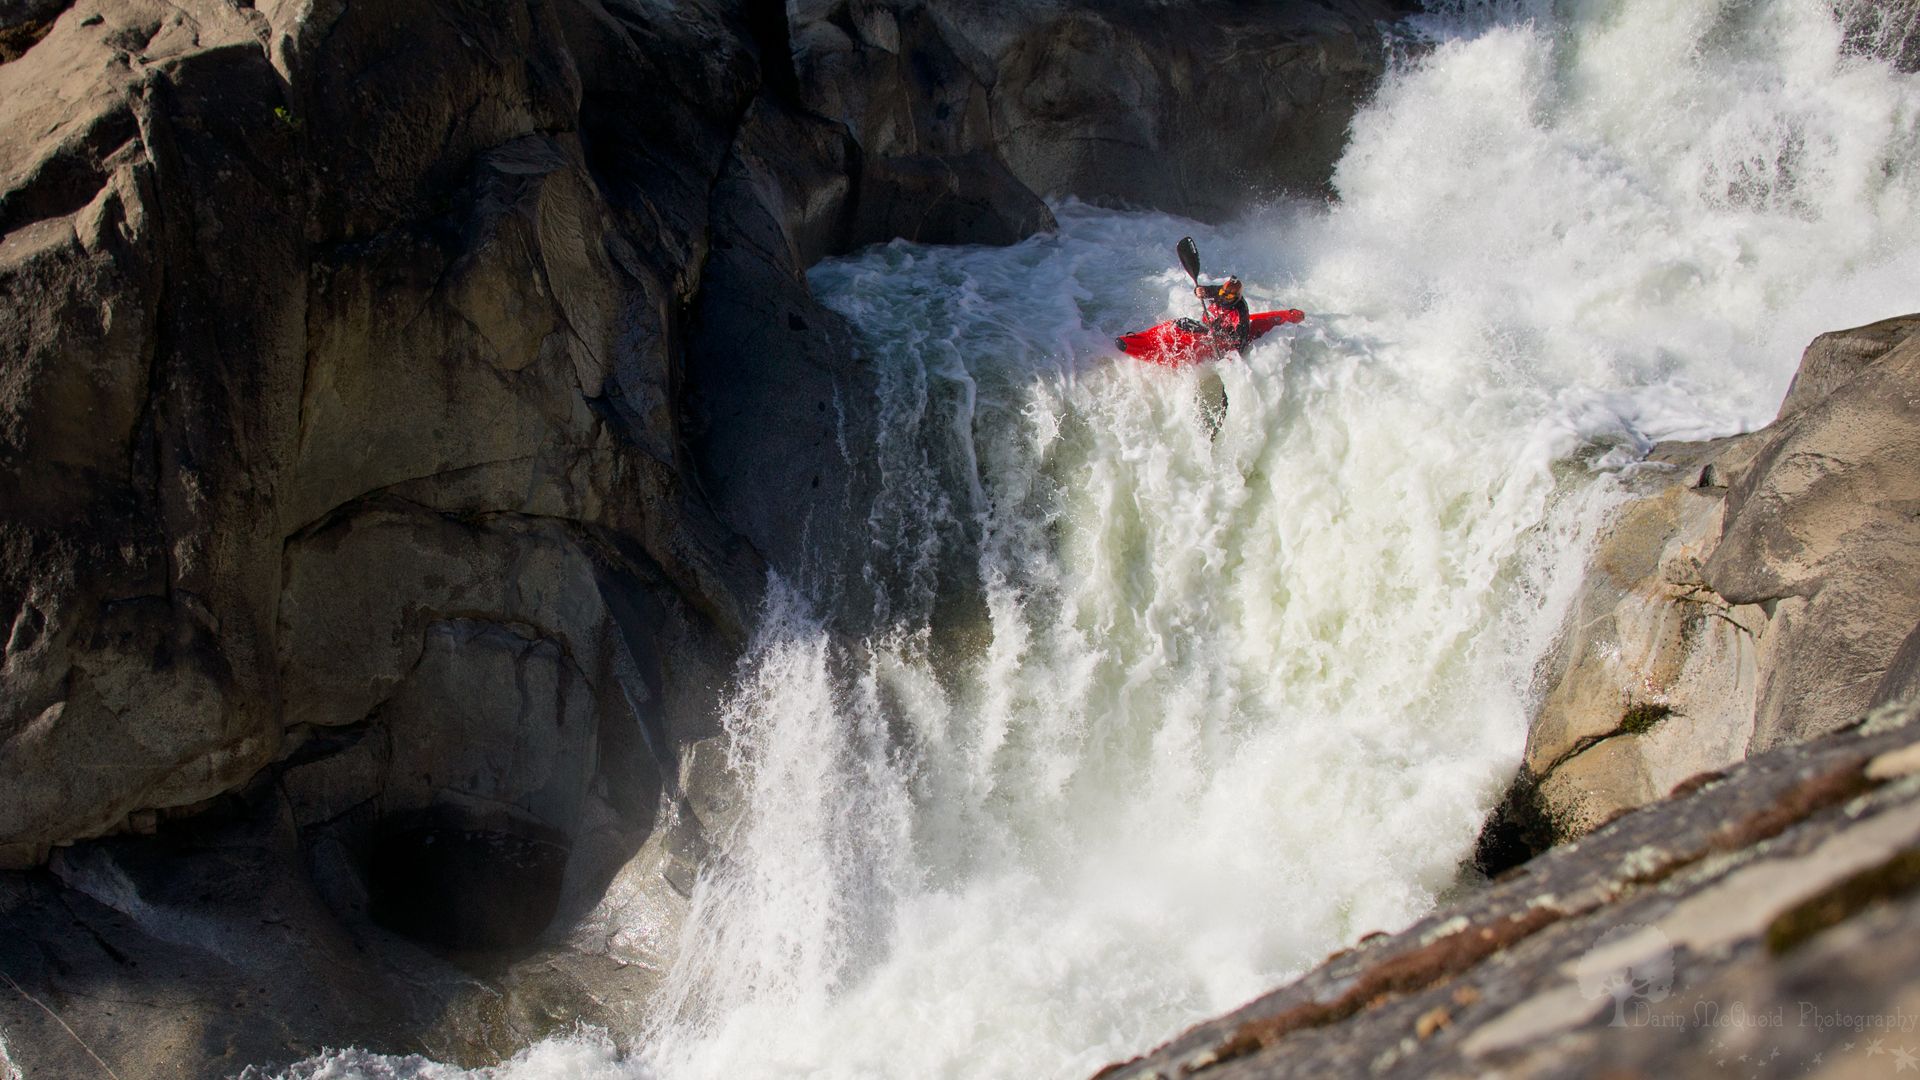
(1230, 289)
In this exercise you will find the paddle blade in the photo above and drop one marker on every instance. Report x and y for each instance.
(1190, 258)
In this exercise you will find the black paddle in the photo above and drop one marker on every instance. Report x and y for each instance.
(1190, 262)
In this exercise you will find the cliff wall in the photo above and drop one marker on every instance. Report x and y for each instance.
(402, 406)
(1752, 594)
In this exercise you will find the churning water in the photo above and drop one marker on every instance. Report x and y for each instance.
(1149, 716)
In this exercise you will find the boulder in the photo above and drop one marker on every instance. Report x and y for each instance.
(1835, 358)
(1654, 680)
(1819, 526)
(1742, 598)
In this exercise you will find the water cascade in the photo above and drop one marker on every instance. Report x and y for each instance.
(1136, 718)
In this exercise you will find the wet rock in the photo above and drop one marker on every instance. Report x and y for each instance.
(196, 952)
(1884, 32)
(1655, 679)
(205, 950)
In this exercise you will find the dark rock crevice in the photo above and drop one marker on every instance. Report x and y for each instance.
(69, 179)
(23, 24)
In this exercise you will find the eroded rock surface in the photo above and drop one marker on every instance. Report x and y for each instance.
(1746, 598)
(1820, 524)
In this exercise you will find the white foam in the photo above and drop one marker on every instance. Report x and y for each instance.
(8, 1070)
(581, 1055)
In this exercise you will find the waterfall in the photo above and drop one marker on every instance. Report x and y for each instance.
(1148, 717)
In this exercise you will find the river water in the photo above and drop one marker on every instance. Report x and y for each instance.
(1153, 709)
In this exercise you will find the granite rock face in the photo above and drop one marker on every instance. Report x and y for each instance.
(345, 405)
(1745, 598)
(150, 404)
(927, 168)
(355, 574)
(272, 268)
(1821, 523)
(1198, 108)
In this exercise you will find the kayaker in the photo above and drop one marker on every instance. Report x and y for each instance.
(1228, 319)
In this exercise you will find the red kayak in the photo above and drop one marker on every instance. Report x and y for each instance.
(1186, 341)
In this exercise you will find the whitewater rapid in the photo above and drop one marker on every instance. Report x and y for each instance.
(1150, 713)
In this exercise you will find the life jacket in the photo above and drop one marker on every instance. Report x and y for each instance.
(1232, 323)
